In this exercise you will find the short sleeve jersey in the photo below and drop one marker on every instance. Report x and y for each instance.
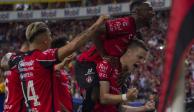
(36, 71)
(14, 101)
(62, 93)
(109, 73)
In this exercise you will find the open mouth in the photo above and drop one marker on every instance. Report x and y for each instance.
(135, 65)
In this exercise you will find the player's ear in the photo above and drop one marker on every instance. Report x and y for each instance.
(45, 42)
(128, 52)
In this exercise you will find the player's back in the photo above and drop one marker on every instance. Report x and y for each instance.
(14, 101)
(36, 75)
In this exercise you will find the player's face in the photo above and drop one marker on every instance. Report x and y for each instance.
(135, 56)
(145, 11)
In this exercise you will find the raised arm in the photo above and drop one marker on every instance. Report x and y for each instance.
(81, 39)
(98, 42)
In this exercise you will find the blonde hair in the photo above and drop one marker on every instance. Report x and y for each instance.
(34, 29)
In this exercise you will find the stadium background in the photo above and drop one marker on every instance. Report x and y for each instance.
(67, 18)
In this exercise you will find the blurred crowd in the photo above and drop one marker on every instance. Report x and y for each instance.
(147, 78)
(68, 4)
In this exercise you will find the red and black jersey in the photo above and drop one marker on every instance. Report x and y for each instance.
(36, 75)
(110, 73)
(62, 92)
(119, 33)
(14, 101)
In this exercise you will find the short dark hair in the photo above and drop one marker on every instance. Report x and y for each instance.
(138, 43)
(136, 3)
(59, 42)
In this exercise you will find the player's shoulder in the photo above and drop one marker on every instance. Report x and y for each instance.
(48, 51)
(38, 54)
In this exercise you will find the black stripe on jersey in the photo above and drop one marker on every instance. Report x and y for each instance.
(47, 63)
(52, 91)
(21, 105)
(23, 84)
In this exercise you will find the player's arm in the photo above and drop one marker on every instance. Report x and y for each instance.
(147, 107)
(99, 43)
(65, 61)
(127, 108)
(80, 39)
(107, 98)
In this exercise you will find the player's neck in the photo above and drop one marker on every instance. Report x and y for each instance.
(34, 46)
(139, 22)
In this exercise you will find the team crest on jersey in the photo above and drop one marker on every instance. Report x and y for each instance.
(90, 72)
(103, 68)
(89, 79)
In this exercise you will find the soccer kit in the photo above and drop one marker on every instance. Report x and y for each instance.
(110, 73)
(14, 101)
(62, 92)
(36, 75)
(119, 32)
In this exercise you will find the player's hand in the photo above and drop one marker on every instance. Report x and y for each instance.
(102, 18)
(65, 62)
(150, 106)
(68, 59)
(132, 94)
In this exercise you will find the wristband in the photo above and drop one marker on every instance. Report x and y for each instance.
(124, 97)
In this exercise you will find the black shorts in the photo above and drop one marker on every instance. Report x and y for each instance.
(86, 74)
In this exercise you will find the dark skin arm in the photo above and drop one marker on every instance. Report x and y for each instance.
(81, 39)
(98, 43)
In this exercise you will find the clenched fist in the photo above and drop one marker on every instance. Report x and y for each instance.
(132, 94)
(150, 105)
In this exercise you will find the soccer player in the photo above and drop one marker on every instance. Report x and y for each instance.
(109, 74)
(36, 66)
(113, 43)
(118, 32)
(61, 81)
(14, 101)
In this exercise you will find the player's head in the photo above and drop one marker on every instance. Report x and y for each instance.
(135, 54)
(142, 9)
(5, 60)
(39, 34)
(59, 42)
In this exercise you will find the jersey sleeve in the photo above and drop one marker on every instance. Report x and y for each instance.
(49, 58)
(104, 70)
(120, 26)
(51, 55)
